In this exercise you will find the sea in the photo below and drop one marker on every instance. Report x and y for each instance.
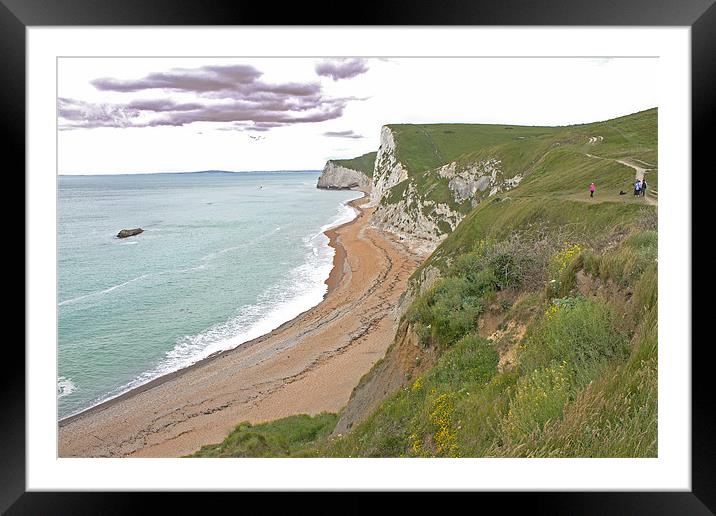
(224, 258)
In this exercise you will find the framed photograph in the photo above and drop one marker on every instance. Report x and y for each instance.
(423, 252)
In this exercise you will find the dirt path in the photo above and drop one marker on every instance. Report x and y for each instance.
(639, 172)
(308, 365)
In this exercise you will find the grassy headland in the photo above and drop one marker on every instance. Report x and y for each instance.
(560, 161)
(362, 163)
(543, 316)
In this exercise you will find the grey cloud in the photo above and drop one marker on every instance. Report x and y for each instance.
(162, 105)
(342, 134)
(266, 125)
(255, 117)
(221, 94)
(203, 79)
(95, 115)
(341, 68)
(292, 88)
(241, 112)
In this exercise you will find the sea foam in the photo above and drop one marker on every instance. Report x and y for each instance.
(100, 292)
(65, 387)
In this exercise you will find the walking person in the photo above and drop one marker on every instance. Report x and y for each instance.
(592, 187)
(643, 187)
(637, 188)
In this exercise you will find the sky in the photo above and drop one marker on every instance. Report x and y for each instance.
(143, 115)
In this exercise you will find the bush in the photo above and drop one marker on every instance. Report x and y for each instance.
(442, 418)
(562, 267)
(281, 438)
(466, 265)
(508, 263)
(449, 310)
(626, 264)
(580, 331)
(540, 397)
(472, 360)
(507, 269)
(615, 416)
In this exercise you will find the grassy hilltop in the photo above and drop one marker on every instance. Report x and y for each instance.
(555, 159)
(362, 163)
(537, 334)
(425, 147)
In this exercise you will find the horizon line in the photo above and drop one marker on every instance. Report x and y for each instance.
(189, 172)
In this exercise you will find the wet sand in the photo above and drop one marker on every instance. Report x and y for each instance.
(307, 365)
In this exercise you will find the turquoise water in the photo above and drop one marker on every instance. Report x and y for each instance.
(224, 258)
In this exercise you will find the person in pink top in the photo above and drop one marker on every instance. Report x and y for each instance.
(592, 187)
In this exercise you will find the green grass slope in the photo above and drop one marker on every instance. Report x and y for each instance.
(362, 163)
(543, 319)
(584, 378)
(561, 160)
(283, 438)
(428, 146)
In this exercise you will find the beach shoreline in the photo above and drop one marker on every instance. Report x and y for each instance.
(350, 320)
(339, 257)
(334, 278)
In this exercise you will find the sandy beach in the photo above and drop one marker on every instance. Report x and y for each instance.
(307, 365)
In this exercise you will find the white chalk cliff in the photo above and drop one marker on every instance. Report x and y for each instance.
(388, 171)
(335, 176)
(410, 213)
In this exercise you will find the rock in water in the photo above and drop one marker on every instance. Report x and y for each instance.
(129, 232)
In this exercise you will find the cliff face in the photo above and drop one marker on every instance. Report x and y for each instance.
(476, 180)
(405, 359)
(420, 223)
(335, 176)
(388, 170)
(413, 219)
(423, 182)
(423, 208)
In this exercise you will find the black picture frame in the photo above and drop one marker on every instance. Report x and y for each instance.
(700, 15)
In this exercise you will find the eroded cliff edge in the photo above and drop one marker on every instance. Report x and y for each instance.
(355, 174)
